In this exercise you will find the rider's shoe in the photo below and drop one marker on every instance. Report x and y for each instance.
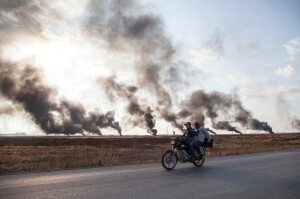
(192, 160)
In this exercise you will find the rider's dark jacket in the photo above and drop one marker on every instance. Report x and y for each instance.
(191, 134)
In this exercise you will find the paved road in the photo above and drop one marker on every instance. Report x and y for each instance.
(262, 175)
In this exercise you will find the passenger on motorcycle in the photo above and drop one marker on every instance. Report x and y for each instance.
(201, 135)
(192, 139)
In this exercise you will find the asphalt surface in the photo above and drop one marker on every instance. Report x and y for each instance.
(261, 175)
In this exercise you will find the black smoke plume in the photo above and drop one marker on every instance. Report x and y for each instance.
(24, 86)
(123, 25)
(143, 114)
(24, 19)
(244, 117)
(127, 27)
(202, 104)
(210, 130)
(224, 125)
(296, 123)
(172, 119)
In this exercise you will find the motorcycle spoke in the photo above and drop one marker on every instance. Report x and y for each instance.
(170, 160)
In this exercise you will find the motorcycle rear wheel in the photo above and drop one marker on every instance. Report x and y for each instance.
(169, 160)
(199, 163)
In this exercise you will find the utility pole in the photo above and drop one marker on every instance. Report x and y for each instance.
(293, 127)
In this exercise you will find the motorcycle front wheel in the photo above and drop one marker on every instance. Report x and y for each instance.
(169, 160)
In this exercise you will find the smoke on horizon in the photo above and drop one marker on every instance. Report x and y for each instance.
(124, 26)
(296, 123)
(24, 86)
(142, 114)
(283, 111)
(145, 35)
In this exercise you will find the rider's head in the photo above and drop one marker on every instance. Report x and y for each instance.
(197, 125)
(188, 125)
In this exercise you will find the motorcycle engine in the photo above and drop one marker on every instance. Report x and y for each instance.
(184, 156)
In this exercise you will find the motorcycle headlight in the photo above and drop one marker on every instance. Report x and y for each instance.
(173, 142)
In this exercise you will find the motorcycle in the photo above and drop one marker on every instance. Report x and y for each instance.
(180, 152)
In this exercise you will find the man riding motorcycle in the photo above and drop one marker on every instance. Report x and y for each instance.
(183, 148)
(201, 135)
(190, 133)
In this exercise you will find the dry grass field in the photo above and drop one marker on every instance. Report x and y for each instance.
(23, 154)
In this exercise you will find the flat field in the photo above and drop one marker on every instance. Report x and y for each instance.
(24, 154)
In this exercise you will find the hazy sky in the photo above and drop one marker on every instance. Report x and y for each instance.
(260, 50)
(246, 48)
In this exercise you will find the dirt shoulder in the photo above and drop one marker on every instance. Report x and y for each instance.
(19, 154)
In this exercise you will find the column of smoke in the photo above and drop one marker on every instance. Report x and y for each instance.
(24, 86)
(211, 104)
(143, 114)
(121, 24)
(210, 130)
(144, 34)
(224, 125)
(296, 123)
(283, 111)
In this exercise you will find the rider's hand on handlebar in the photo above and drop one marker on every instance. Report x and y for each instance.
(185, 133)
